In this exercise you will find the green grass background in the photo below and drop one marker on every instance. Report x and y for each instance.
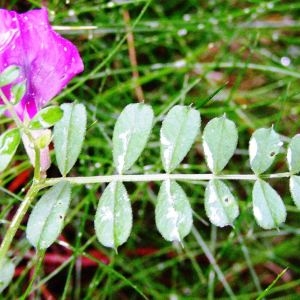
(236, 57)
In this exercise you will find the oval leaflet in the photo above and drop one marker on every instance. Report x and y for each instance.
(264, 145)
(113, 220)
(268, 208)
(46, 219)
(220, 139)
(68, 136)
(131, 134)
(173, 213)
(220, 205)
(7, 270)
(178, 132)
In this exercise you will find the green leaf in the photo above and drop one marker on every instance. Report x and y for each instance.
(268, 208)
(9, 75)
(264, 145)
(220, 205)
(113, 221)
(295, 189)
(18, 91)
(46, 117)
(6, 274)
(178, 132)
(293, 154)
(130, 135)
(69, 135)
(47, 217)
(9, 142)
(173, 213)
(220, 139)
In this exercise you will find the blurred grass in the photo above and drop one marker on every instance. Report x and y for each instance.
(249, 53)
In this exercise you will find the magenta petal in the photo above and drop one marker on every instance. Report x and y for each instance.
(47, 60)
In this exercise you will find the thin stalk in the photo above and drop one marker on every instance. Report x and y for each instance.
(160, 177)
(17, 219)
(37, 267)
(212, 273)
(249, 263)
(133, 57)
(213, 262)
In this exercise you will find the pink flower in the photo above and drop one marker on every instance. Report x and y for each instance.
(47, 60)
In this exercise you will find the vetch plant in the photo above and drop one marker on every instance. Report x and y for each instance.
(24, 70)
(31, 55)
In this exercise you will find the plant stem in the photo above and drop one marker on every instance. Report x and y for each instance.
(17, 219)
(160, 177)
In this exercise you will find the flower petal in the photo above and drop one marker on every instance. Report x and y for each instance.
(47, 60)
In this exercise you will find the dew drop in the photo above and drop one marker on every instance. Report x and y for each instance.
(153, 24)
(285, 61)
(261, 10)
(156, 66)
(90, 35)
(186, 17)
(275, 36)
(182, 32)
(213, 21)
(180, 63)
(110, 4)
(211, 45)
(71, 13)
